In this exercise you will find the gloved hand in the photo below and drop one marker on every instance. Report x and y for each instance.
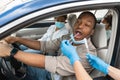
(97, 63)
(69, 51)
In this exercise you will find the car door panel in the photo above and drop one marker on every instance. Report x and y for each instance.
(35, 31)
(32, 33)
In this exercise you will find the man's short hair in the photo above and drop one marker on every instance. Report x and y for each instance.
(89, 13)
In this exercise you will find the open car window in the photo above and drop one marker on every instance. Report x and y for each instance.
(39, 28)
(35, 24)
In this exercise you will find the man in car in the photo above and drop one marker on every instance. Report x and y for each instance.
(82, 30)
(107, 21)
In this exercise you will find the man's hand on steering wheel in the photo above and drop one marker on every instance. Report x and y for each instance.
(10, 39)
(15, 69)
(4, 49)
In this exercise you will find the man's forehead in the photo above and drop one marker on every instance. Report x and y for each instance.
(85, 15)
(89, 18)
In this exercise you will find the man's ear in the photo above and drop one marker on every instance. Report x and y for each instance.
(92, 32)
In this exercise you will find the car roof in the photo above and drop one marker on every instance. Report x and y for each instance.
(27, 8)
(32, 6)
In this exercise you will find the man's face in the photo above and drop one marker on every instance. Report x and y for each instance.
(83, 27)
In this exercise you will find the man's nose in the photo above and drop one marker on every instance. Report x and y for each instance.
(81, 25)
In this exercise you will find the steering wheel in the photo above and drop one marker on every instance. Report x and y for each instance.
(11, 68)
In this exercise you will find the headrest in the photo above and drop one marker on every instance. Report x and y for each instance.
(99, 38)
(71, 21)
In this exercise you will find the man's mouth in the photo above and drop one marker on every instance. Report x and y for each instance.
(77, 34)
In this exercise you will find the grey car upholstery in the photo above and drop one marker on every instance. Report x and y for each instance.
(71, 21)
(99, 39)
(32, 33)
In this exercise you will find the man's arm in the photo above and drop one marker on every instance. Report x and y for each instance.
(36, 60)
(61, 63)
(34, 44)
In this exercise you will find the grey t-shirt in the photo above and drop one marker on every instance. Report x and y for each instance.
(55, 62)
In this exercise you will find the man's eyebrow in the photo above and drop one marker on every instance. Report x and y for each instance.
(89, 21)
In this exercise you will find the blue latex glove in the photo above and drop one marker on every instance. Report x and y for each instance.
(69, 51)
(97, 63)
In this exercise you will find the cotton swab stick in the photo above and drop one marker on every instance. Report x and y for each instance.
(86, 44)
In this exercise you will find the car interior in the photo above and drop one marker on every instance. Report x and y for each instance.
(99, 39)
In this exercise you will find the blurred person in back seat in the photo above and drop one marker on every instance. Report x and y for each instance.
(107, 20)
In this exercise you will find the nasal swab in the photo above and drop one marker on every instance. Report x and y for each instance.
(86, 44)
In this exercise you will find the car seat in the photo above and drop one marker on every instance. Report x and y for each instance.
(71, 21)
(99, 39)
